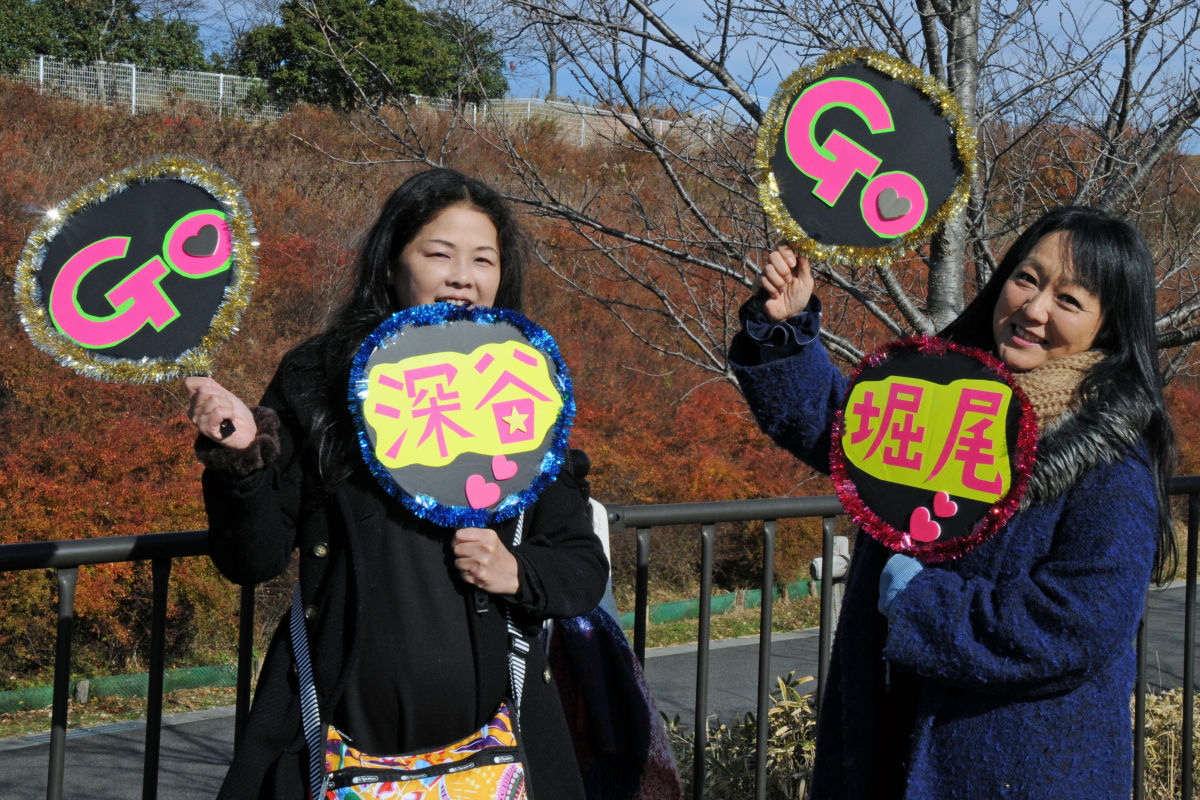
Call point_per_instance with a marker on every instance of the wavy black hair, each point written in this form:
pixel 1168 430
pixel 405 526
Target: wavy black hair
pixel 371 300
pixel 1110 259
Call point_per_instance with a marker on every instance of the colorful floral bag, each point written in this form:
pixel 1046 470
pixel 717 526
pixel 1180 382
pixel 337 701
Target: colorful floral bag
pixel 486 765
pixel 489 764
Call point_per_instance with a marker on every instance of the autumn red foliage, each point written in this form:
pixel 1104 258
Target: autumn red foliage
pixel 82 458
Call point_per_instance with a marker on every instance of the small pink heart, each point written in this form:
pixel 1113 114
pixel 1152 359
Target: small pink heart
pixel 943 506
pixel 502 468
pixel 481 492
pixel 921 527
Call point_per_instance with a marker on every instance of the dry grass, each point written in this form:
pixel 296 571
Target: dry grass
pixel 786 616
pixel 792 745
pixel 105 710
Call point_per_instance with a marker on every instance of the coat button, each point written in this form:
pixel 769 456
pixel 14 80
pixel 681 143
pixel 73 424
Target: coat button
pixel 546 676
pixel 310 613
pixel 320 549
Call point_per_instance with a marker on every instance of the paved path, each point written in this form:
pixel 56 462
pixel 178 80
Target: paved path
pixel 104 763
pixel 732 673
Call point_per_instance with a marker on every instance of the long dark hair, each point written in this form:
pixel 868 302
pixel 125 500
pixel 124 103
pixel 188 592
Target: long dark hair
pixel 410 207
pixel 1110 259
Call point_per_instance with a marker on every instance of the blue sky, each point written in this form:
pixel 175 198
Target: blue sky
pixel 530 79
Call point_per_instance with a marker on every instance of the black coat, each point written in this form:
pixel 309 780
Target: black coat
pixel 259 513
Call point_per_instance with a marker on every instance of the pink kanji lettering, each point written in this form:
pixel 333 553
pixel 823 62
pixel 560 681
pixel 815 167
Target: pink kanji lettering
pixel 971 446
pixel 514 420
pixel 865 411
pixel 441 401
pixel 903 403
pixel 515 417
pixel 508 379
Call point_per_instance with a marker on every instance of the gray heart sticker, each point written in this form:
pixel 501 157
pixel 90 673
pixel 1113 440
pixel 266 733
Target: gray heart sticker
pixel 891 205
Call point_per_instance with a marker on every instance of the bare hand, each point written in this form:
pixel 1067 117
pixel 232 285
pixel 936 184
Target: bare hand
pixel 788 281
pixel 211 404
pixel 483 561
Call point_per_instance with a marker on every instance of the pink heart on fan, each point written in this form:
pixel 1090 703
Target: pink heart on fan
pixel 943 506
pixel 921 527
pixel 502 468
pixel 481 492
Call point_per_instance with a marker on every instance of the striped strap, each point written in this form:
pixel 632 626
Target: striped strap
pixel 518 651
pixel 518 647
pixel 309 711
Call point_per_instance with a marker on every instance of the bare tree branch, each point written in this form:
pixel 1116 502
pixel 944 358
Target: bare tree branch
pixel 660 221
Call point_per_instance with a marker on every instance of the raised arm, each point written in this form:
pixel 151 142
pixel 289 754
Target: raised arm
pixel 787 280
pixel 211 405
pixel 791 386
pixel 252 479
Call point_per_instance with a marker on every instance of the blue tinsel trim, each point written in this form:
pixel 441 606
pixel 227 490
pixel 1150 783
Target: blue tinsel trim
pixel 424 506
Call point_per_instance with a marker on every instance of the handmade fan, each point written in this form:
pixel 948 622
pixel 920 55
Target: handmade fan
pixel 862 156
pixel 139 276
pixel 463 413
pixel 934 447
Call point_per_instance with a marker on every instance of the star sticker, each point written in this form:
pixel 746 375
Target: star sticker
pixel 515 420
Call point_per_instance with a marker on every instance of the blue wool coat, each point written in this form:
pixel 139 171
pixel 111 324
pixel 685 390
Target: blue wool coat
pixel 1005 673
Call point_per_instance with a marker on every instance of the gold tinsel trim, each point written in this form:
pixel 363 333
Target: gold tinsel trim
pixel 768 136
pixel 197 360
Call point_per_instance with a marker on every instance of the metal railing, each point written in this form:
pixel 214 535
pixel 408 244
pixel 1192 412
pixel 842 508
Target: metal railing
pixel 642 519
pixel 707 515
pixel 65 557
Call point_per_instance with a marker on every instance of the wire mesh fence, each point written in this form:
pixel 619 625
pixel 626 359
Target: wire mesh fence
pixel 142 90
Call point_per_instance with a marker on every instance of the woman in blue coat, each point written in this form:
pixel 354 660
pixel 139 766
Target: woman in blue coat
pixel 1006 672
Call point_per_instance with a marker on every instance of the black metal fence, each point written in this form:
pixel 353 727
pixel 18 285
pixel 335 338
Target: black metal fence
pixel 66 557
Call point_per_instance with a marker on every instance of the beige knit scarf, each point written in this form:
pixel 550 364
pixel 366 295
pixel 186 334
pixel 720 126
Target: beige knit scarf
pixel 1052 387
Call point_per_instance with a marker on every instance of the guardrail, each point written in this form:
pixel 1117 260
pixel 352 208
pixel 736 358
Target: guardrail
pixel 642 519
pixel 65 557
pixel 707 515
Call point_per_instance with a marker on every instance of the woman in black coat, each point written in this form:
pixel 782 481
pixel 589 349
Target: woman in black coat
pixel 405 619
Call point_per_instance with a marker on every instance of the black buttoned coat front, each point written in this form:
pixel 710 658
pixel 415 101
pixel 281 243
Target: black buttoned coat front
pixel 258 516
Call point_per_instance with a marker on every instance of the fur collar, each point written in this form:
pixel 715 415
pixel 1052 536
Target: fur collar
pixel 1100 430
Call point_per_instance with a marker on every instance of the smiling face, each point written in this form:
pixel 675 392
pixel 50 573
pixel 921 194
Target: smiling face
pixel 454 258
pixel 1042 313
